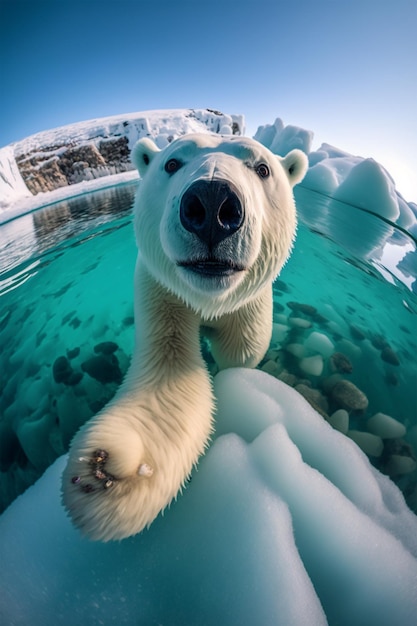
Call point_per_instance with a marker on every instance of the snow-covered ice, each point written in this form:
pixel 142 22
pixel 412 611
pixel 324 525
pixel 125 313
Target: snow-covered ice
pixel 284 522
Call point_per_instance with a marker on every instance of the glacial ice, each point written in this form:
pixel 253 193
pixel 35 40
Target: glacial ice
pixel 284 522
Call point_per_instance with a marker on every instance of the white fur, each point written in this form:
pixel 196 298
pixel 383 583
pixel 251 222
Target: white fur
pixel 160 421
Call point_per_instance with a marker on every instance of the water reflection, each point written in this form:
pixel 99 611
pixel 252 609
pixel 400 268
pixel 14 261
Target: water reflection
pixel 367 237
pixel 24 240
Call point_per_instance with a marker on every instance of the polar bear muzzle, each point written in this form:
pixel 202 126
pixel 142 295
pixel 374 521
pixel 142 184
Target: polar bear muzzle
pixel 212 210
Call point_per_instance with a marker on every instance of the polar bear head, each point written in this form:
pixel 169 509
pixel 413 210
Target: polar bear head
pixel 215 217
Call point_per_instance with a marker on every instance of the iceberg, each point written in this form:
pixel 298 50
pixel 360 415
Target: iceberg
pixel 284 521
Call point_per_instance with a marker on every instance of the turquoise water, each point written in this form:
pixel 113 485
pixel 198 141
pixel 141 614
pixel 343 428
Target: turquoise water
pixel 66 321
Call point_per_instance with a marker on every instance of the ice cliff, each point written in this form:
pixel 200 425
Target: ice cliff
pixel 80 152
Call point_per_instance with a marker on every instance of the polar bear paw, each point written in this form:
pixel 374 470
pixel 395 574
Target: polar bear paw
pixel 116 481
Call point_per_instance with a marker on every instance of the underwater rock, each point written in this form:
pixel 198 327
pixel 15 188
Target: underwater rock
pixel 314 397
pixel 75 323
pixel 341 363
pixel 72 354
pixel 357 333
pixel 398 465
pixel 105 370
pixel 388 355
pixel 287 378
pixel 379 342
pixel 274 355
pixel 318 342
pixel 106 347
pixel 399 447
pixel 279 333
pixel 299 322
pixel 271 367
pixel 320 319
pixel 281 285
pixel 63 372
pixel 372 445
pixel 296 349
pixel 61 369
pixel 307 309
pixel 347 396
pixel 328 383
pixel 312 365
pixel 339 420
pixel 74 379
pixel 385 426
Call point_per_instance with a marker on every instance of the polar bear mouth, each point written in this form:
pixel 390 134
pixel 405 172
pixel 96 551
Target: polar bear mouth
pixel 211 267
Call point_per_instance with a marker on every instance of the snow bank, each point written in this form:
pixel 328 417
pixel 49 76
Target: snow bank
pixel 284 522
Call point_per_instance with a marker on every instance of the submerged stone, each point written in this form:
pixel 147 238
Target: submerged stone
pixel 106 347
pixel 299 322
pixel 72 354
pixel 61 369
pixel 389 356
pixel 105 370
pixel 312 365
pixel 341 363
pixel 398 465
pixel 379 342
pixel 307 309
pixel 281 285
pixel 339 420
pixel 385 426
pixel 347 396
pixel 74 379
pixel 357 333
pixel 318 342
pixel 371 444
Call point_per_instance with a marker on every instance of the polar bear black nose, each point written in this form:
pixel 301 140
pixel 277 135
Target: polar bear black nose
pixel 212 210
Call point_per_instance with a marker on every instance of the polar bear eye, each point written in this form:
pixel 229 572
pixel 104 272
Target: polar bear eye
pixel 172 166
pixel 262 170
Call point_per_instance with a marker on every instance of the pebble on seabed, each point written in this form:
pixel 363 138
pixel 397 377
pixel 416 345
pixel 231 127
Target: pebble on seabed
pixel 398 465
pixel 339 420
pixel 385 426
pixel 372 445
pixel 347 396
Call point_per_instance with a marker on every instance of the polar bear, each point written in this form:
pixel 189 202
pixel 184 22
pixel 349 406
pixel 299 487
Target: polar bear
pixel 215 221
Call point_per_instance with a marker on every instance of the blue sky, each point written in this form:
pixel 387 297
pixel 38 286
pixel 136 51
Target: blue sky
pixel 346 70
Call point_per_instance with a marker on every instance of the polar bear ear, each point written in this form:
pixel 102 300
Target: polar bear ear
pixel 142 154
pixel 296 165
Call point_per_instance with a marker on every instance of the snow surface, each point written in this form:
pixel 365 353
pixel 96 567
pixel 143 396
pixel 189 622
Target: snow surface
pixel 284 522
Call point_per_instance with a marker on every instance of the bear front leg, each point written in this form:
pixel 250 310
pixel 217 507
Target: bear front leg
pixel 128 462
pixel 241 339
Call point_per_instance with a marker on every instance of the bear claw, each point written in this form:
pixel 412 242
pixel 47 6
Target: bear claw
pixel 98 459
pixel 145 470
